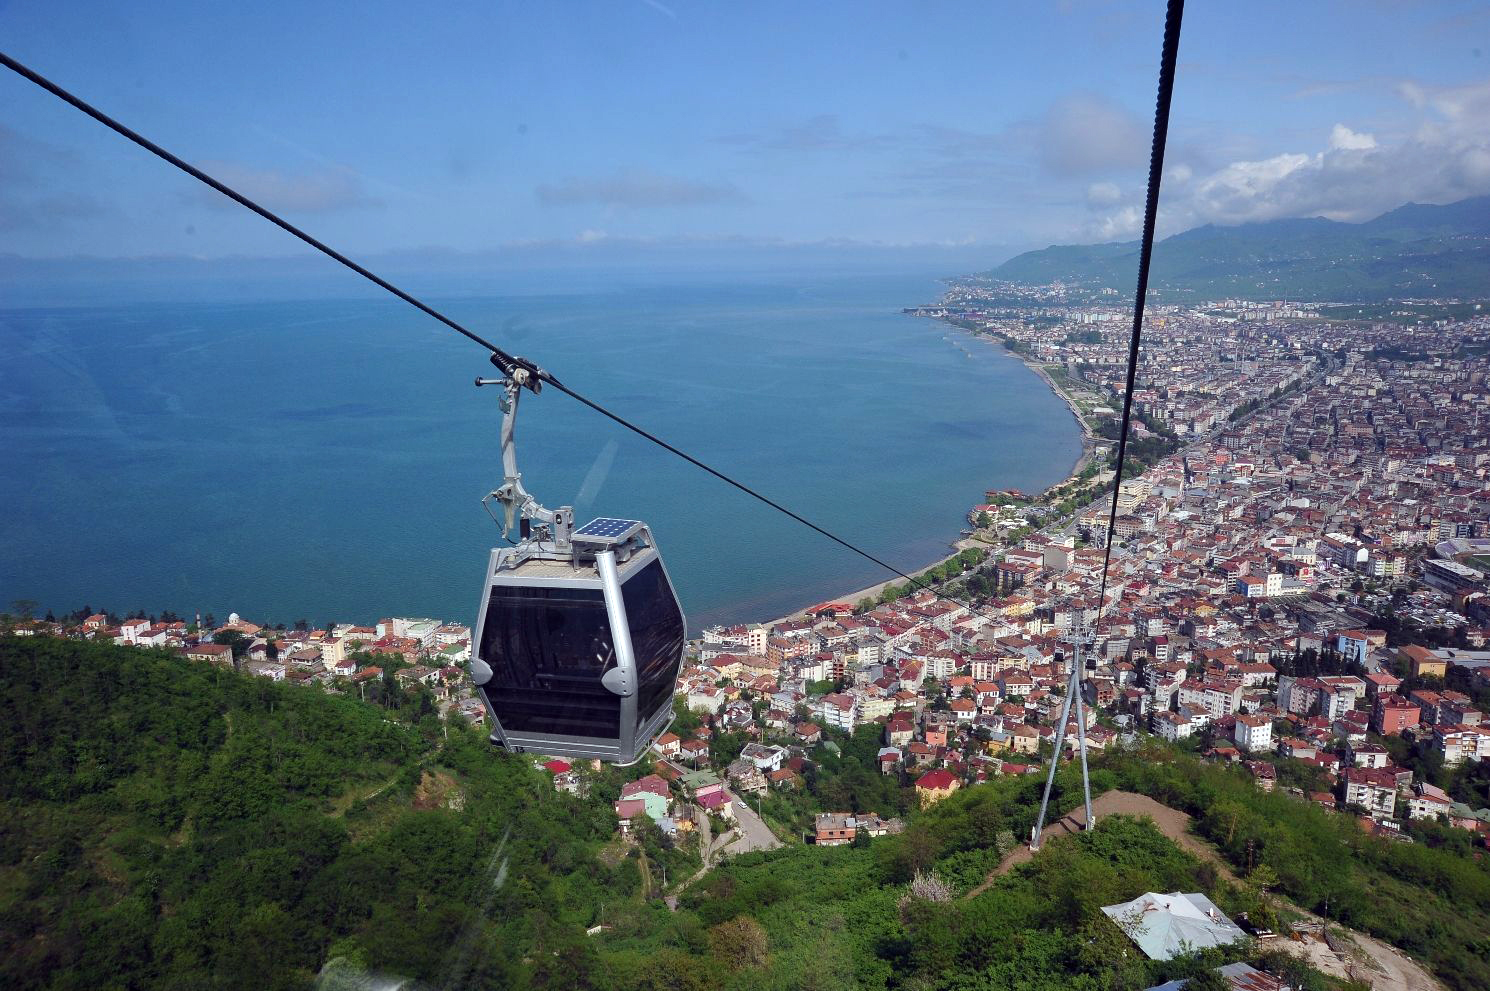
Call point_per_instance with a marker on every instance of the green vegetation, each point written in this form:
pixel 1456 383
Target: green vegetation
pixel 170 824
pixel 1415 250
pixel 955 566
pixel 1402 311
pixel 846 781
pixel 894 914
pixel 176 825
pixel 1142 451
pixel 1432 901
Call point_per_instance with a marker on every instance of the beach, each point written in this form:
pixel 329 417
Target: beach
pixel 1088 446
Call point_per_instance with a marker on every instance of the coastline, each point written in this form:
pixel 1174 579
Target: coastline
pixel 1088 447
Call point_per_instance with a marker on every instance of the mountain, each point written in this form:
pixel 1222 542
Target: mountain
pixel 1416 250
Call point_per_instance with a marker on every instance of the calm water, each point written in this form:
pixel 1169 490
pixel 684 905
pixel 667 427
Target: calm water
pixel 324 459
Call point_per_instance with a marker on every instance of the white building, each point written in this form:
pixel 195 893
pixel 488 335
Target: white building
pixel 705 698
pixel 1374 791
pixel 838 711
pixel 1253 732
pixel 1171 725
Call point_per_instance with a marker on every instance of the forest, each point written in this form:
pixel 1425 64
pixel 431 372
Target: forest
pixel 168 824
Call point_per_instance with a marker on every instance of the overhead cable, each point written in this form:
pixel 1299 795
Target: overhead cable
pixel 1167 60
pixel 527 372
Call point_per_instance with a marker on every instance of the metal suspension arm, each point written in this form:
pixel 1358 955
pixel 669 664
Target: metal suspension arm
pixel 518 504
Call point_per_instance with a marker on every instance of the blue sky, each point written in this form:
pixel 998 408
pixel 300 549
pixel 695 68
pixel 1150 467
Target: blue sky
pixel 479 126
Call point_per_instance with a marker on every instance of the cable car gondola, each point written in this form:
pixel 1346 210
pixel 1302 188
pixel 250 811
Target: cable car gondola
pixel 580 636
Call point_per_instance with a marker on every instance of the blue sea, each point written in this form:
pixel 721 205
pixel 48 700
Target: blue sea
pixel 324 459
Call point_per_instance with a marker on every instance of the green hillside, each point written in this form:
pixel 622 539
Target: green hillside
pixel 172 825
pixel 1416 250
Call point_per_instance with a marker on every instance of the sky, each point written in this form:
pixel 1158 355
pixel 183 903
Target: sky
pixel 633 124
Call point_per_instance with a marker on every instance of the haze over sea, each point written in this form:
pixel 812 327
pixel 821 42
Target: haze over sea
pixel 324 459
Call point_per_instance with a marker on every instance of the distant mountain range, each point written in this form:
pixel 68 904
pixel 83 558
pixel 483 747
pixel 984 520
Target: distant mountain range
pixel 1416 250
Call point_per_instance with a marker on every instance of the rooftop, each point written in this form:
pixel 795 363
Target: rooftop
pixel 1165 926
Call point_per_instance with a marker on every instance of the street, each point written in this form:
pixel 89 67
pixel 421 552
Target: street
pixel 754 833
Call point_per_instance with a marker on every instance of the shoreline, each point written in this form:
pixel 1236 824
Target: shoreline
pixel 1088 448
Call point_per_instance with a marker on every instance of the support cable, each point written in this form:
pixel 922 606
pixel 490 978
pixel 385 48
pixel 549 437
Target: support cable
pixel 1167 60
pixel 531 375
pixel 525 372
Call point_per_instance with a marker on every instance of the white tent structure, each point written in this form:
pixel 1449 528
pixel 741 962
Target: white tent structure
pixel 1165 926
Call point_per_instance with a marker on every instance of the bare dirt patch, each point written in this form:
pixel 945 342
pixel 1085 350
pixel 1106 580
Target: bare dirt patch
pixel 1354 955
pixel 1171 822
pixel 438 790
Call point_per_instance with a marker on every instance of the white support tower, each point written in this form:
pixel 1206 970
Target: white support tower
pixel 1073 701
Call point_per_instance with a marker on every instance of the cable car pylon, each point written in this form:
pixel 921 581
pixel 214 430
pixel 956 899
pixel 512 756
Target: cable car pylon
pixel 1075 682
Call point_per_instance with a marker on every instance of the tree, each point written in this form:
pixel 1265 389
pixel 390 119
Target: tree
pixel 1208 980
pixel 235 640
pixel 738 943
pixel 1263 878
pixel 25 608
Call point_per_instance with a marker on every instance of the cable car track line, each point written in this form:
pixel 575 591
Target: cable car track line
pixel 249 204
pixel 531 375
pixel 508 363
pixel 1167 59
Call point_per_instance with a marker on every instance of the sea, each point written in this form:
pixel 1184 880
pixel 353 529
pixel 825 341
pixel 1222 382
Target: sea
pixel 324 459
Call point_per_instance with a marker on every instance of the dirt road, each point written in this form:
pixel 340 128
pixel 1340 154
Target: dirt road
pixel 1359 957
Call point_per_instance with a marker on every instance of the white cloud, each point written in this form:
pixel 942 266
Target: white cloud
pixel 1086 133
pixel 322 191
pixel 1343 138
pixel 1120 225
pixel 1235 190
pixel 1444 156
pixel 1103 194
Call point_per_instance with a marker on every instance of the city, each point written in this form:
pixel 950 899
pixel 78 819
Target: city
pixel 985 515
pixel 1294 579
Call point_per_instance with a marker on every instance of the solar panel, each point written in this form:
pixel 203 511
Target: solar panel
pixel 606 530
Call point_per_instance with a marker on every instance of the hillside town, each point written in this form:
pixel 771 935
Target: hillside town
pixel 1297 584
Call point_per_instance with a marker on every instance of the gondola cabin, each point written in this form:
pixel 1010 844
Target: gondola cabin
pixel 578 647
